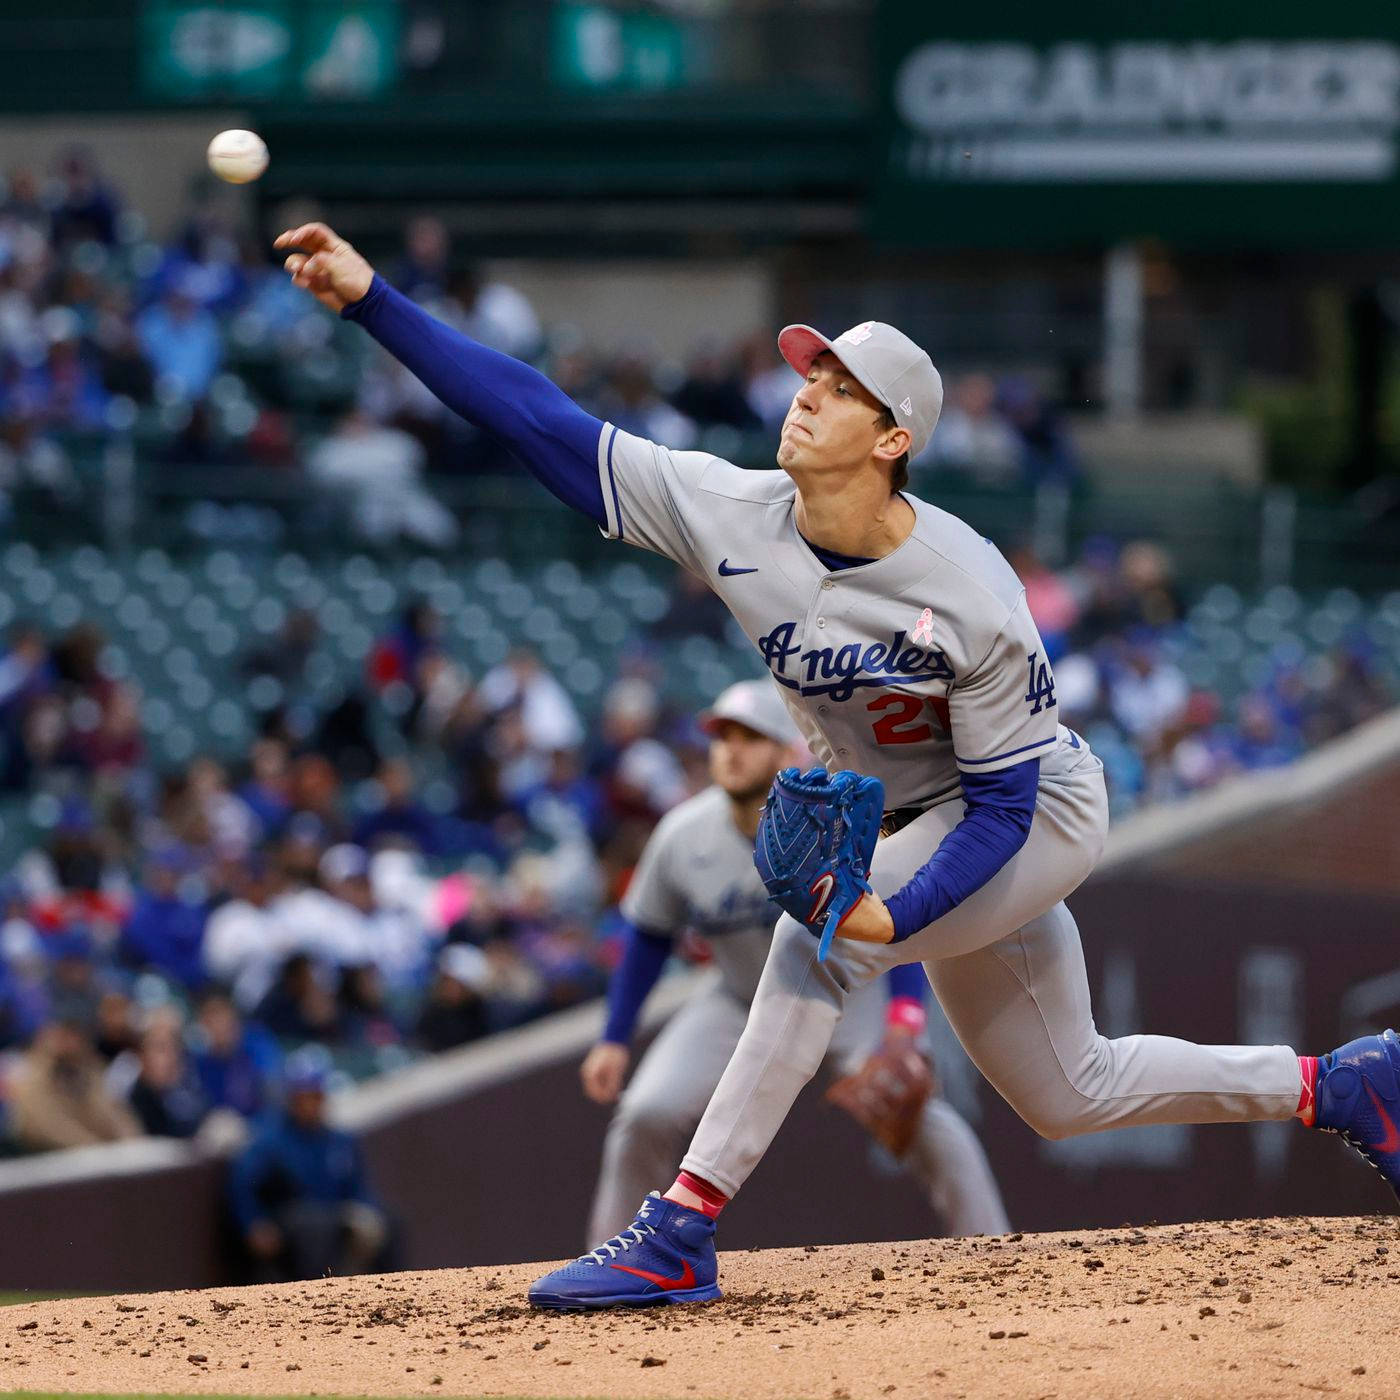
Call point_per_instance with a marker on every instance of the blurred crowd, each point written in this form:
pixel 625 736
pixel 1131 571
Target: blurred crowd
pixel 199 346
pixel 1134 673
pixel 426 861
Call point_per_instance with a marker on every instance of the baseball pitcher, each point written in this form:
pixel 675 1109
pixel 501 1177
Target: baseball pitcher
pixel 906 654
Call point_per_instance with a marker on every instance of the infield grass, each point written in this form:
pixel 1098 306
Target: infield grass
pixel 30 1295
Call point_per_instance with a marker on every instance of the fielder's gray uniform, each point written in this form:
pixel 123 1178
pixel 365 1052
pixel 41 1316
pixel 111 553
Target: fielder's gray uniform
pixel 888 668
pixel 697 872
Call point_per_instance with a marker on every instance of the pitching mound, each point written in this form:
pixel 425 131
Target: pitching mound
pixel 1246 1308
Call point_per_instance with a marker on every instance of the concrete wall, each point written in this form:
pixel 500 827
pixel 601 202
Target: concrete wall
pixel 662 308
pixel 151 160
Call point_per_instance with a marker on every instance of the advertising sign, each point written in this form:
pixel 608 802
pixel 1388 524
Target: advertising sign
pixel 268 49
pixel 1094 122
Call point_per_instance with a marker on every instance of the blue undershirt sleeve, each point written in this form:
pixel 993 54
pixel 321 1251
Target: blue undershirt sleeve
pixel 1000 807
pixel 643 958
pixel 516 404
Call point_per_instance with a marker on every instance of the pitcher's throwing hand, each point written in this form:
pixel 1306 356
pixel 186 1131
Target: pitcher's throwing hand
pixel 326 265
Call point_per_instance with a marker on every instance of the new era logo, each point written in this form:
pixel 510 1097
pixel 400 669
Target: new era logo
pixel 906 405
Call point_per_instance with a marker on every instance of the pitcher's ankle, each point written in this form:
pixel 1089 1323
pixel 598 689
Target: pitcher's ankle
pixel 698 1194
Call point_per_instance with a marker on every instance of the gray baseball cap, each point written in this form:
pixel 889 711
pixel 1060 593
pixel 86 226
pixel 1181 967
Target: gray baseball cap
pixel 887 362
pixel 757 706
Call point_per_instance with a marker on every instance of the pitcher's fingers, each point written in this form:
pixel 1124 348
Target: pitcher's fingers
pixel 291 237
pixel 295 263
pixel 315 237
pixel 294 237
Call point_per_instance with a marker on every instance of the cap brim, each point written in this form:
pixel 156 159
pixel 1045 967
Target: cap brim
pixel 800 345
pixel 710 723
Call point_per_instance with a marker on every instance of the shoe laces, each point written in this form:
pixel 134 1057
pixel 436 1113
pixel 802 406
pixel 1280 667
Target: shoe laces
pixel 1364 1150
pixel 636 1233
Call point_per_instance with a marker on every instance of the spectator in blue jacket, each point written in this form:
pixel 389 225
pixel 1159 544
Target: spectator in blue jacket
pixel 24 997
pixel 73 988
pixel 165 929
pixel 181 340
pixel 298 1190
pixel 398 814
pixel 236 1063
pixel 64 389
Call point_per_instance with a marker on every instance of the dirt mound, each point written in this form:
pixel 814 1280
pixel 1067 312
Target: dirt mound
pixel 1242 1308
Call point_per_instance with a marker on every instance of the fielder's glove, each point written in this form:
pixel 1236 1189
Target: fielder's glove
pixel 815 840
pixel 886 1095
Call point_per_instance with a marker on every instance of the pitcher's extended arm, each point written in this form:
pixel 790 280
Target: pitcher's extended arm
pixel 516 404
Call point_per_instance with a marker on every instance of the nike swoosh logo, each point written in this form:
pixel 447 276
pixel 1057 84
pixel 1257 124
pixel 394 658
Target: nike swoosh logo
pixel 822 887
pixel 1391 1141
pixel 726 570
pixel 686 1280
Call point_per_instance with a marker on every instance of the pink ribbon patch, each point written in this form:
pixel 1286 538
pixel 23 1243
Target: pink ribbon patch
pixel 923 628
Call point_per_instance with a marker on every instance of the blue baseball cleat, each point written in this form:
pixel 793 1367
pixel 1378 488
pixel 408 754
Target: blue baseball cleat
pixel 1358 1098
pixel 667 1255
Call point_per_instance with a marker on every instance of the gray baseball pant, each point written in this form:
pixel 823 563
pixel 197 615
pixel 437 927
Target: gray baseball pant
pixel 679 1072
pixel 1008 969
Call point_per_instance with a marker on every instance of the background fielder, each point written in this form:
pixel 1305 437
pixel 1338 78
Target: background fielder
pixel 697 872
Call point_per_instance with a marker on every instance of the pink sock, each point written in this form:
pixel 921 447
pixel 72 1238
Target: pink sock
pixel 1307 1100
pixel 698 1194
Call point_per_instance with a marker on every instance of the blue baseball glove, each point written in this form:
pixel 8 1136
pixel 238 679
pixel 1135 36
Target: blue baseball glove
pixel 815 840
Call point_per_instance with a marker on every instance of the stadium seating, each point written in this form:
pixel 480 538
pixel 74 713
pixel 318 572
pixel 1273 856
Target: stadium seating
pixel 180 628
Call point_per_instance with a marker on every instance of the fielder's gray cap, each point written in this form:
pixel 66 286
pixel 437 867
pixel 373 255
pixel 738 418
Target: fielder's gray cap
pixel 887 362
pixel 757 706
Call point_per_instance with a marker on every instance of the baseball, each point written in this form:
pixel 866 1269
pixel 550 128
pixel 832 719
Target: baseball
pixel 237 156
